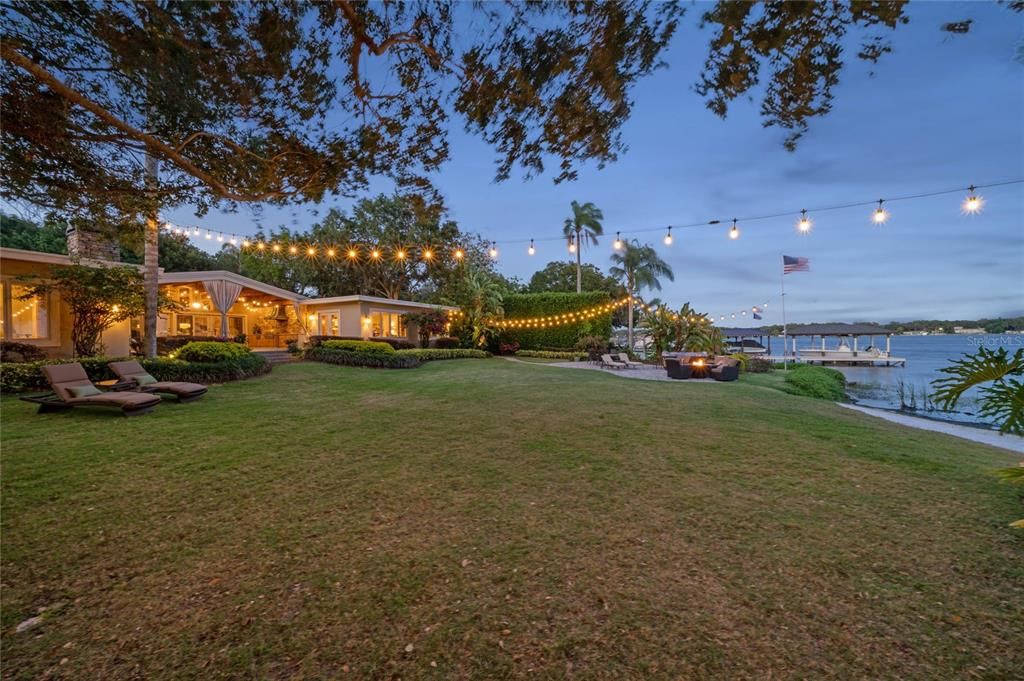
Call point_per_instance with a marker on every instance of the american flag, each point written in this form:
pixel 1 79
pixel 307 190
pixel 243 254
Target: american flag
pixel 791 264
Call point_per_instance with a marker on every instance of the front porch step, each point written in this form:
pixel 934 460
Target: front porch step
pixel 277 356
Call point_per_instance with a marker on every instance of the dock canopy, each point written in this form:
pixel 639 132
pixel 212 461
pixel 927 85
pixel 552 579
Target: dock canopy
pixel 744 333
pixel 837 330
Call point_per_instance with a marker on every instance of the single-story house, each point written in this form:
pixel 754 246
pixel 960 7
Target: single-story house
pixel 209 304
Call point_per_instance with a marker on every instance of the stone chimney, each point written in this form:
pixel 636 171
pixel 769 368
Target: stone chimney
pixel 92 245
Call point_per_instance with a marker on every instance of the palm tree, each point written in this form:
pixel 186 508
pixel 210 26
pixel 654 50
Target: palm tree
pixel 480 298
pixel 998 375
pixel 583 226
pixel 638 267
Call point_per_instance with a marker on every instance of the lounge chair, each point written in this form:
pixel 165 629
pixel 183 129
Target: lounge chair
pixel 608 362
pixel 624 358
pixel 72 388
pixel 133 374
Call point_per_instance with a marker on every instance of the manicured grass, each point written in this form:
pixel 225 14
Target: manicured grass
pixel 498 520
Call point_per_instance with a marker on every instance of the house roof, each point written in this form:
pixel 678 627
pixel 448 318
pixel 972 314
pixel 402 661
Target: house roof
pixel 736 332
pixel 57 258
pixel 375 299
pixel 224 275
pixel 837 330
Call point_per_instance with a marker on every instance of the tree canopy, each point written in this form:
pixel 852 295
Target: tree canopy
pixel 560 276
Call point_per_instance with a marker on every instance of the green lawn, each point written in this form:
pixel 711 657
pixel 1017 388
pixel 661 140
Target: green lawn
pixel 489 519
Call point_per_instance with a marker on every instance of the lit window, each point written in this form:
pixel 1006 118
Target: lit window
pixel 388 324
pixel 23 319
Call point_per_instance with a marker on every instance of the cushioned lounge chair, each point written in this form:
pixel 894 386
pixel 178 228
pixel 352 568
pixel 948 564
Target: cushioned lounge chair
pixel 677 370
pixel 725 369
pixel 607 361
pixel 72 388
pixel 133 374
pixel 624 358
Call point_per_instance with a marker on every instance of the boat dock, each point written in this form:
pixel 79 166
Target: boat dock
pixel 849 352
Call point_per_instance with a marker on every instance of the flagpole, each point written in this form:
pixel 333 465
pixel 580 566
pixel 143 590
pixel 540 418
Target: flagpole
pixel 785 344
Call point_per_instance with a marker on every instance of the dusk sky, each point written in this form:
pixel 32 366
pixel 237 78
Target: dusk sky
pixel 940 112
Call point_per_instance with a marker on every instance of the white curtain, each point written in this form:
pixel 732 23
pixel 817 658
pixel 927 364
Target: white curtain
pixel 223 294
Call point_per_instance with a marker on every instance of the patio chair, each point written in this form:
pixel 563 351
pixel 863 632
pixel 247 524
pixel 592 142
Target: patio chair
pixel 624 358
pixel 72 388
pixel 677 369
pixel 133 373
pixel 609 363
pixel 725 369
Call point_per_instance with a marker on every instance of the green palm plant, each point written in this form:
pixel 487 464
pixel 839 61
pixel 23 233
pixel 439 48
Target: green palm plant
pixel 1002 399
pixel 481 300
pixel 638 267
pixel 583 227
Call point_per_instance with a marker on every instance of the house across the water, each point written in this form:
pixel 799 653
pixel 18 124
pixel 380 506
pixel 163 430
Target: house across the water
pixel 209 304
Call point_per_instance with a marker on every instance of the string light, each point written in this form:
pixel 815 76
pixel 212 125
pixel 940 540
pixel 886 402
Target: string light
pixel 617 244
pixel 400 254
pixel 208 235
pixel 261 246
pixel 220 238
pixel 734 233
pixel 804 224
pixel 375 254
pixel 973 204
pixel 572 243
pixel 352 254
pixel 459 254
pixel 573 317
pixel 880 215
pixel 293 250
pixel 531 250
pixel 494 251
pixel 276 248
pixel 311 251
pixel 428 254
pixel 330 252
pixel 668 237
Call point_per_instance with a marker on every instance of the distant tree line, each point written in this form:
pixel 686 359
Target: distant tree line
pixel 997 325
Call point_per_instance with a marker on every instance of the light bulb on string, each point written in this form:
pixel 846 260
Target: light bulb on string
pixel 195 231
pixel 293 249
pixel 352 254
pixel 572 243
pixel 734 233
pixel 400 254
pixel 973 204
pixel 428 254
pixel 459 254
pixel 531 250
pixel 233 241
pixel 331 252
pixel 311 251
pixel 208 235
pixel 880 215
pixel 375 254
pixel 668 237
pixel 245 243
pixel 261 246
pixel 804 224
pixel 617 244
pixel 494 251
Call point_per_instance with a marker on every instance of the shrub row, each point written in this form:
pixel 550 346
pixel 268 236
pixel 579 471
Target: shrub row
pixel 431 354
pixel 759 365
pixel 29 377
pixel 393 360
pixel 396 343
pixel 820 382
pixel 165 345
pixel 548 354
pixel 211 351
pixel 12 351
pixel 445 342
pixel 369 347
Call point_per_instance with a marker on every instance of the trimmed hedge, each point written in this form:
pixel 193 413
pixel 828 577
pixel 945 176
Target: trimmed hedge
pixel 29 377
pixel 561 337
pixel 12 351
pixel 445 342
pixel 392 360
pixel 211 351
pixel 820 382
pixel 165 345
pixel 758 365
pixel 431 354
pixel 369 347
pixel 396 343
pixel 548 354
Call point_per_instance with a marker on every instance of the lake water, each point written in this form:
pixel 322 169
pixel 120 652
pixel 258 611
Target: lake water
pixel 925 355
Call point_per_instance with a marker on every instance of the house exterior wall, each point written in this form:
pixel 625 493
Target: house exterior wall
pixel 116 339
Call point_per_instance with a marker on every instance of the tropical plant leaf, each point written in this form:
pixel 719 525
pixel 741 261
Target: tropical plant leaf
pixel 1003 401
pixel 983 366
pixel 1013 475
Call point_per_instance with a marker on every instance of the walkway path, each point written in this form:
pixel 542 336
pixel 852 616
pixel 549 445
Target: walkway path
pixel 988 437
pixel 643 374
